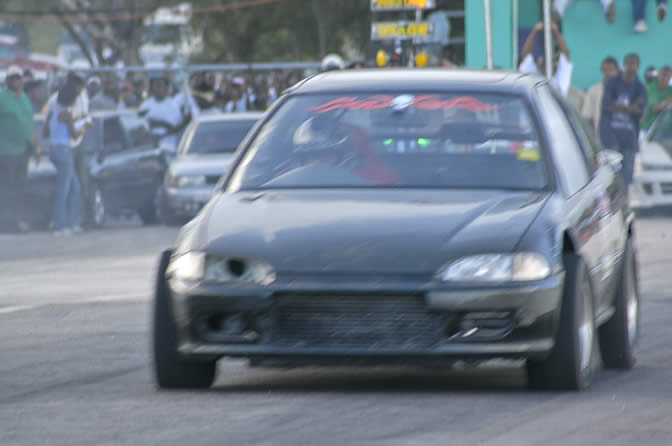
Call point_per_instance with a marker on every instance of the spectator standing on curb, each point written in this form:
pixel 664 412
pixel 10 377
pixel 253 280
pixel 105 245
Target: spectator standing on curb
pixel 17 144
pixel 623 105
pixel 163 113
pixel 107 99
pixel 650 76
pixel 659 95
pixel 62 130
pixel 592 106
pixel 563 68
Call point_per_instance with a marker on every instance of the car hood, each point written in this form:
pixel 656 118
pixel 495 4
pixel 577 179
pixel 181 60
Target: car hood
pixel 389 231
pixel 201 164
pixel 653 153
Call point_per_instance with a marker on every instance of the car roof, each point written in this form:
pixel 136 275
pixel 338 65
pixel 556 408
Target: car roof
pixel 408 79
pixel 214 117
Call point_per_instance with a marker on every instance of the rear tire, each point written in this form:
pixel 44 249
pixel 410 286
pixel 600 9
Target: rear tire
pixel 571 364
pixel 172 371
pixel 619 335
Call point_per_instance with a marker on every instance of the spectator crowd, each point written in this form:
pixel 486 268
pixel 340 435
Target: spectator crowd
pixel 168 104
pixel 619 109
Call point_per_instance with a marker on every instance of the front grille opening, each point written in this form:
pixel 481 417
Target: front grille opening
pixel 236 267
pixel 395 322
pixel 226 327
pixel 648 188
pixel 486 325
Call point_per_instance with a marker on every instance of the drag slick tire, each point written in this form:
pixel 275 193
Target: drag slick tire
pixel 619 335
pixel 571 364
pixel 171 370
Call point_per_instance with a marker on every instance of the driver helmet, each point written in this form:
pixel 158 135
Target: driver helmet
pixel 321 137
pixel 332 62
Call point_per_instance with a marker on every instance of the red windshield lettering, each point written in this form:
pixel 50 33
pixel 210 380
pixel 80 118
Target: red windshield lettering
pixel 375 103
pixel 336 104
pixel 427 103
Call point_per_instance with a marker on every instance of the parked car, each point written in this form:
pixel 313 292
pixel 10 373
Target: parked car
pixel 653 178
pixel 363 221
pixel 205 153
pixel 120 167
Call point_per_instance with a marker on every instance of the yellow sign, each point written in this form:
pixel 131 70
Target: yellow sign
pixel 528 154
pixel 421 59
pixel 401 30
pixel 381 58
pixel 401 5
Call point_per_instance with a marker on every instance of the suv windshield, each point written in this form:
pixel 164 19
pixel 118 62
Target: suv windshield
pixel 424 141
pixel 218 136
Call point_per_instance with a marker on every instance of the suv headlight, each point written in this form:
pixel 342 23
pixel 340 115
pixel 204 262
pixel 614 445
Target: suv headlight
pixel 188 181
pixel 195 266
pixel 520 267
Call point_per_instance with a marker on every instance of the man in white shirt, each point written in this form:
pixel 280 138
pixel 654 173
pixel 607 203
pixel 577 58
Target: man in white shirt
pixel 164 114
pixel 563 68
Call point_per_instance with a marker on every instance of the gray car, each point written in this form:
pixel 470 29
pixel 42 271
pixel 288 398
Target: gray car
pixel 362 222
pixel 205 153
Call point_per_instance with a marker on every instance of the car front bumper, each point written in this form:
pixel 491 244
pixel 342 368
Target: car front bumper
pixel 187 202
pixel 362 322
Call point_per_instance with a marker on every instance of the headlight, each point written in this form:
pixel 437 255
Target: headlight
pixel 497 268
pixel 188 181
pixel 195 266
pixel 189 266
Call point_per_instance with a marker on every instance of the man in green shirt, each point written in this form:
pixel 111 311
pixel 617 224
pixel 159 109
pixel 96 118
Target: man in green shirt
pixel 660 96
pixel 17 144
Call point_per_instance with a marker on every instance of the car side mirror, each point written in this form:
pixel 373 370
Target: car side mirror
pixel 612 158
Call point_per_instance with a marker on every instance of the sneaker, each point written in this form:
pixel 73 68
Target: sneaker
pixel 641 26
pixel 63 233
pixel 662 12
pixel 610 13
pixel 77 229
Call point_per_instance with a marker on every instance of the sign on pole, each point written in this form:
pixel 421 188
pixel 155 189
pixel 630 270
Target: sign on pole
pixel 402 30
pixel 401 5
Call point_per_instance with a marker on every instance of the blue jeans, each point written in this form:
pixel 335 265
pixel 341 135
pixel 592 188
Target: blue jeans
pixel 627 144
pixel 639 8
pixel 67 200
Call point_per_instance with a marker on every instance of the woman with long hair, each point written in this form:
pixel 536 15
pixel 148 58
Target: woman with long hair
pixel 61 129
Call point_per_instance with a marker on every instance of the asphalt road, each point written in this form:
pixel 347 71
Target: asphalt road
pixel 74 370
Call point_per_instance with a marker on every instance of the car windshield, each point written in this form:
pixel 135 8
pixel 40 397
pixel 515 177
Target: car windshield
pixel 218 136
pixel 661 132
pixel 396 140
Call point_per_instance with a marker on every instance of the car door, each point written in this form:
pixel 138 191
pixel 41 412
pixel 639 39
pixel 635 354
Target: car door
pixel 149 165
pixel 118 169
pixel 613 205
pixel 584 186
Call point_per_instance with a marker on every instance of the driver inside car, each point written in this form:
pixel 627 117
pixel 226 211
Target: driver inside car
pixel 324 139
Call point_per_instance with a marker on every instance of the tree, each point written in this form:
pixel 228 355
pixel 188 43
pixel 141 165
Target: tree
pixel 286 30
